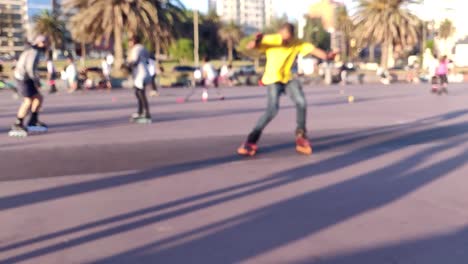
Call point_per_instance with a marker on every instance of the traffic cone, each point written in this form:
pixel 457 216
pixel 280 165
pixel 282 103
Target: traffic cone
pixel 205 96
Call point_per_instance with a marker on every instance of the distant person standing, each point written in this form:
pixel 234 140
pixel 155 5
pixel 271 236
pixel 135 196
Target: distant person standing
pixel 432 64
pixel 110 59
pixel 210 78
pixel 106 73
pixel 226 75
pixel 29 83
pixel 51 74
pixel 71 73
pixel 152 72
pixel 137 63
pixel 442 74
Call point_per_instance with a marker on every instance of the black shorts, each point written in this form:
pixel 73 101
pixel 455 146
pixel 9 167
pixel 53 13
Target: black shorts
pixel 27 88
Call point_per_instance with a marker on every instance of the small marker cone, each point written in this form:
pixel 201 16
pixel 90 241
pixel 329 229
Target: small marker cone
pixel 350 99
pixel 205 96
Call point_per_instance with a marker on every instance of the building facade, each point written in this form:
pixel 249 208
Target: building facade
pixel 211 5
pixel 252 15
pixel 13 21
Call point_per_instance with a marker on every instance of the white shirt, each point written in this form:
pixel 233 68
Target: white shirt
pixel 110 59
pixel 139 56
pixel 224 71
pixel 71 72
pixel 197 74
pixel 105 68
pixel 209 71
pixel 152 67
pixel 50 67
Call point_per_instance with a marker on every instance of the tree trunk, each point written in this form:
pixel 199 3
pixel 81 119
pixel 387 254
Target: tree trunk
pixel 230 45
pixel 372 53
pixel 385 52
pixel 118 48
pixel 83 54
pixel 157 49
pixel 196 41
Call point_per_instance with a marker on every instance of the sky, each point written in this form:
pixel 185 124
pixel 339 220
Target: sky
pixel 293 8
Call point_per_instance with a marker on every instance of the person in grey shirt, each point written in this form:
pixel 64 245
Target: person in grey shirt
pixel 28 84
pixel 137 63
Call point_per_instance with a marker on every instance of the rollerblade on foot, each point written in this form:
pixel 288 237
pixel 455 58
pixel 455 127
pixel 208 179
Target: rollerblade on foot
pixel 36 126
pixel 303 144
pixel 140 119
pixel 247 149
pixel 18 130
pixel 154 93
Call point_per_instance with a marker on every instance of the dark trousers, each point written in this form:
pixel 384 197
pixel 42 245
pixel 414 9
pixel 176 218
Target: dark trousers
pixel 143 106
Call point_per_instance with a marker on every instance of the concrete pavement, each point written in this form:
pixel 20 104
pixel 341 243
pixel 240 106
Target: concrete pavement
pixel 386 184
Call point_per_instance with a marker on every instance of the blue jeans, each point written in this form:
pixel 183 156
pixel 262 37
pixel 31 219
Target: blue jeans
pixel 294 90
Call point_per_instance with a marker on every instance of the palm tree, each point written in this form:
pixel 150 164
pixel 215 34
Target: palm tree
pixel 171 15
pixel 231 35
pixel 346 26
pixel 51 26
pixel 386 22
pixel 446 29
pixel 103 20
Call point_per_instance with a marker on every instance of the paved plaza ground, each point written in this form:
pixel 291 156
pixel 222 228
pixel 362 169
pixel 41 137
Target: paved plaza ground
pixel 387 182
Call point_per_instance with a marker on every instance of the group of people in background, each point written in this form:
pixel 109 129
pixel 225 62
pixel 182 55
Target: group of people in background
pixel 281 51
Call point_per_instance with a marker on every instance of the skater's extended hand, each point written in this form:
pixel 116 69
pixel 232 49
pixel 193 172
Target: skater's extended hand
pixel 331 55
pixel 256 42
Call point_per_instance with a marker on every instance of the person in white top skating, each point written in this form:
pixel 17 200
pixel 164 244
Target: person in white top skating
pixel 106 72
pixel 71 74
pixel 137 63
pixel 152 72
pixel 210 77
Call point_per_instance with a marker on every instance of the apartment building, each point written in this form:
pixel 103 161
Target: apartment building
pixel 13 18
pixel 252 15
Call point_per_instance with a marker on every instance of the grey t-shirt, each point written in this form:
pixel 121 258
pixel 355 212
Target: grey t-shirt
pixel 26 67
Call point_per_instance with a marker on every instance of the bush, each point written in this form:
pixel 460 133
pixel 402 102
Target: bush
pixel 182 50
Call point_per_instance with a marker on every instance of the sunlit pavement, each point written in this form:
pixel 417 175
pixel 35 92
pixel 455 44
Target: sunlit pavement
pixel 387 182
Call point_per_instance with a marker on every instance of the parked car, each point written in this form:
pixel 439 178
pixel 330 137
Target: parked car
pixel 183 76
pixel 246 70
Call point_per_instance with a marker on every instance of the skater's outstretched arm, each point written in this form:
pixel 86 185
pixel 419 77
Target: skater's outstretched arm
pixel 254 44
pixel 321 54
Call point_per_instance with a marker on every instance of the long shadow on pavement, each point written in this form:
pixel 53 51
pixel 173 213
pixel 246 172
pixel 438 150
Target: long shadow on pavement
pixel 259 231
pixel 448 247
pixel 250 221
pixel 267 228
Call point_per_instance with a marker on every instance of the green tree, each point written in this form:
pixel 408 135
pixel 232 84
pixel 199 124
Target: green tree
pixel 231 35
pixel 102 20
pixel 388 23
pixel 315 33
pixel 276 23
pixel 51 26
pixel 182 49
pixel 253 54
pixel 446 29
pixel 345 26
